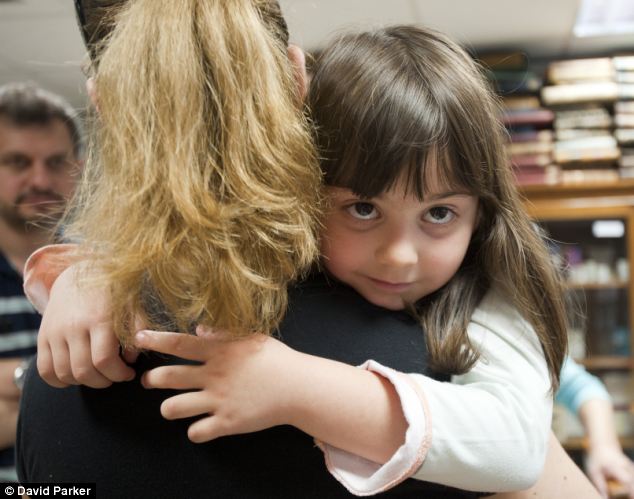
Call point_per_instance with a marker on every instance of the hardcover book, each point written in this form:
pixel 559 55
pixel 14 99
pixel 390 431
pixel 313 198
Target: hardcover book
pixel 581 69
pixel 601 91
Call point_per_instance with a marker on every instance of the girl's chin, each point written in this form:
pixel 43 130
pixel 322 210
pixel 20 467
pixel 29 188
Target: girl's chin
pixel 387 302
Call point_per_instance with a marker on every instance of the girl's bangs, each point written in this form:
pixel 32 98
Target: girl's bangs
pixel 419 170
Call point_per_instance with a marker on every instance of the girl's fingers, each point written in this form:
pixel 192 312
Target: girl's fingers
pixel 207 332
pixel 187 405
pixel 204 430
pixel 105 355
pixel 185 346
pixel 173 378
pixel 81 364
pixel 129 355
pixel 204 331
pixel 62 363
pixel 46 367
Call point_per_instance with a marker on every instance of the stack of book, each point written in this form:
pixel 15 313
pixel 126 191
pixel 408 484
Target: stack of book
pixel 509 73
pixel 581 94
pixel 576 81
pixel 624 115
pixel 531 140
pixel 529 124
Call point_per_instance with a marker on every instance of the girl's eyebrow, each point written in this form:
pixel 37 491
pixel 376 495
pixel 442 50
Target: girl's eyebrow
pixel 443 195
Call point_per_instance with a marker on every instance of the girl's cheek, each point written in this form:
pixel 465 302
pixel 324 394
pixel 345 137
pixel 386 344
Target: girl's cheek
pixel 448 256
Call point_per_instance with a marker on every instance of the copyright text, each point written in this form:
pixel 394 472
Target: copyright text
pixel 50 490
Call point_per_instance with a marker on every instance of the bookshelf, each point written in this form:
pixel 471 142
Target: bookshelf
pixel 571 147
pixel 597 286
pixel 607 363
pixel 621 187
pixel 558 192
pixel 579 443
pixel 601 289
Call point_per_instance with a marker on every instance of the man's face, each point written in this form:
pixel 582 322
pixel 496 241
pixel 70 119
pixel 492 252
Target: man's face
pixel 38 172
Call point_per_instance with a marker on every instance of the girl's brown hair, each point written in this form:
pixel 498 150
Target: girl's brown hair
pixel 403 102
pixel 201 190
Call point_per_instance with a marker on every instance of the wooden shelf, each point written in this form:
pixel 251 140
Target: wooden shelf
pixel 579 443
pixel 598 285
pixel 606 362
pixel 582 189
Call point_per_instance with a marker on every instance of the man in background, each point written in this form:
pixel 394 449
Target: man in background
pixel 40 149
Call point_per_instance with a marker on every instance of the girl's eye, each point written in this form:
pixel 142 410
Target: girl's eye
pixel 439 215
pixel 362 211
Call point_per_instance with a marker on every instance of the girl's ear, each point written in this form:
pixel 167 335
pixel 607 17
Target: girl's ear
pixel 91 90
pixel 298 60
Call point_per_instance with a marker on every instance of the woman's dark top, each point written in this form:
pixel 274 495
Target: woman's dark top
pixel 116 437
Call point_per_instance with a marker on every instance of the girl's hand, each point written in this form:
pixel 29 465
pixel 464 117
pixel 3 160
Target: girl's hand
pixel 76 344
pixel 242 385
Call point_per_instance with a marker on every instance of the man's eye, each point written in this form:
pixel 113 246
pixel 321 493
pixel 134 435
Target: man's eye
pixel 363 211
pixel 439 215
pixel 16 163
pixel 57 163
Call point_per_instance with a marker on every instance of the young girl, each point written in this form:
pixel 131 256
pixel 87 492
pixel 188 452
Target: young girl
pixel 483 238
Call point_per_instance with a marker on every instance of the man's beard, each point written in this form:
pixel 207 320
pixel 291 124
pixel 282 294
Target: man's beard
pixel 43 220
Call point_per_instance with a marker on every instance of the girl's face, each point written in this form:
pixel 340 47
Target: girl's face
pixel 394 249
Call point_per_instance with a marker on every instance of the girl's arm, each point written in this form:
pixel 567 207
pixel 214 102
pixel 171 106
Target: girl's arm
pixel 257 382
pixel 75 343
pixel 491 425
pixel 486 431
pixel 560 478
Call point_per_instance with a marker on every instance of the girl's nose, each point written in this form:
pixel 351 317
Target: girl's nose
pixel 399 251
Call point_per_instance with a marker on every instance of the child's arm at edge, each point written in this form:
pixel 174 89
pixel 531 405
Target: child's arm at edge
pixel 75 344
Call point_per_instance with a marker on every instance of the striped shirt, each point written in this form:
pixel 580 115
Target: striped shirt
pixel 19 323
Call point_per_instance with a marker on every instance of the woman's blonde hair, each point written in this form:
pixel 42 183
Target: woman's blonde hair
pixel 201 189
pixel 408 102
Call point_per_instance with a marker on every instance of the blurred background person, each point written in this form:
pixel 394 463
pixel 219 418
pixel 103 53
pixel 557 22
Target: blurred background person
pixel 40 150
pixel 585 396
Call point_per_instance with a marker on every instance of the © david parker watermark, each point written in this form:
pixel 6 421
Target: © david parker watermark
pixel 50 490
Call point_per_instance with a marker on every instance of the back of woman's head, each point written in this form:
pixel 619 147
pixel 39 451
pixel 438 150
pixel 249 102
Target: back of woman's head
pixel 201 188
pixel 408 103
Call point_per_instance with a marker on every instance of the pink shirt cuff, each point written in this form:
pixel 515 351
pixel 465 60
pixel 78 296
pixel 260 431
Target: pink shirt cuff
pixel 363 477
pixel 42 269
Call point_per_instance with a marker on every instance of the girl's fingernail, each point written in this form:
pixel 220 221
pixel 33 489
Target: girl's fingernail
pixel 141 335
pixel 203 331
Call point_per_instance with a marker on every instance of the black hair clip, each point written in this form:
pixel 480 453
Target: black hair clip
pixel 81 20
